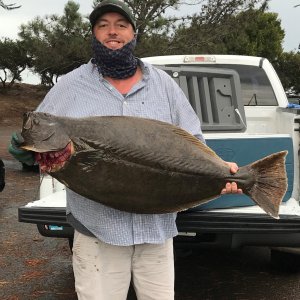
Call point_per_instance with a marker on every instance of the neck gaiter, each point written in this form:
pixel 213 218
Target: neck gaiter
pixel 119 63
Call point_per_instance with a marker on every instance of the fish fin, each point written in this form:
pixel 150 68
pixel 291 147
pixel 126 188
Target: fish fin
pixel 189 137
pixel 178 131
pixel 271 182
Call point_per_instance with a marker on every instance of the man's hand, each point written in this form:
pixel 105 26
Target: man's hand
pixel 24 156
pixel 231 187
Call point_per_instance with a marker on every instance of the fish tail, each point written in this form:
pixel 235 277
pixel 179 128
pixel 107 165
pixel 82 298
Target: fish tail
pixel 270 183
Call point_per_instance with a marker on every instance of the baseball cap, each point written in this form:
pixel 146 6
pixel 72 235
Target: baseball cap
pixel 112 6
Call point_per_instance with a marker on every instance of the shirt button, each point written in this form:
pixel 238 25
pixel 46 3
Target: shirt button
pixel 125 102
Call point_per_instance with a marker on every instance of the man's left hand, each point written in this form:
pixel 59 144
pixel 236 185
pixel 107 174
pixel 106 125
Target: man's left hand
pixel 231 187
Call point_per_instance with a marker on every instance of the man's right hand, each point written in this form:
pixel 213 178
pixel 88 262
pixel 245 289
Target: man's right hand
pixel 24 156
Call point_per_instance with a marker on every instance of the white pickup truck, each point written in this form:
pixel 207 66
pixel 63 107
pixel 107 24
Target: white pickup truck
pixel 245 116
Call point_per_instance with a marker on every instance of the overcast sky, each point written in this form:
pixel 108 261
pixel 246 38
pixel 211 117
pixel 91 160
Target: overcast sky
pixel 10 21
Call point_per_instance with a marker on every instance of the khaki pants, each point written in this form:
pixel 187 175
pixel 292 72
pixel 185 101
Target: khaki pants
pixel 103 271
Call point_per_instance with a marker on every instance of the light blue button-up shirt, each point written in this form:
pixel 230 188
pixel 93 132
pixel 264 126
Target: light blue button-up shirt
pixel 83 92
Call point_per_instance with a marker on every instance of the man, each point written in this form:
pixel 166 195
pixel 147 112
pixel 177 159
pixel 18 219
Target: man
pixel 111 247
pixel 2 175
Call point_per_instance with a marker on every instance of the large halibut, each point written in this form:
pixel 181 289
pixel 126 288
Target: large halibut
pixel 144 166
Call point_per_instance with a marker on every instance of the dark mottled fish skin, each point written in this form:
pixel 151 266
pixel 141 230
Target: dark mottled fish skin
pixel 146 166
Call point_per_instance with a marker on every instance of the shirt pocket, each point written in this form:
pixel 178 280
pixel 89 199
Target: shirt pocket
pixel 153 109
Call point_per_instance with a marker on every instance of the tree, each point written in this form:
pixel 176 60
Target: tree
pixel 255 33
pixel 14 59
pixel 8 6
pixel 57 44
pixel 204 31
pixel 288 69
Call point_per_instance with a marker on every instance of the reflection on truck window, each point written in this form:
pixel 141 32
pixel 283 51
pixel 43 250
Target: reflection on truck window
pixel 256 87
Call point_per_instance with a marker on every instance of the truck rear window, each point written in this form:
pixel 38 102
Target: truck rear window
pixel 255 85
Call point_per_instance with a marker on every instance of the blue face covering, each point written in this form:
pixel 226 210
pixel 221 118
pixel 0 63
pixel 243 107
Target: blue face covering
pixel 119 63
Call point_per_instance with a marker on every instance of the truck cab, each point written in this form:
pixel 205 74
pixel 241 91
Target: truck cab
pixel 245 115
